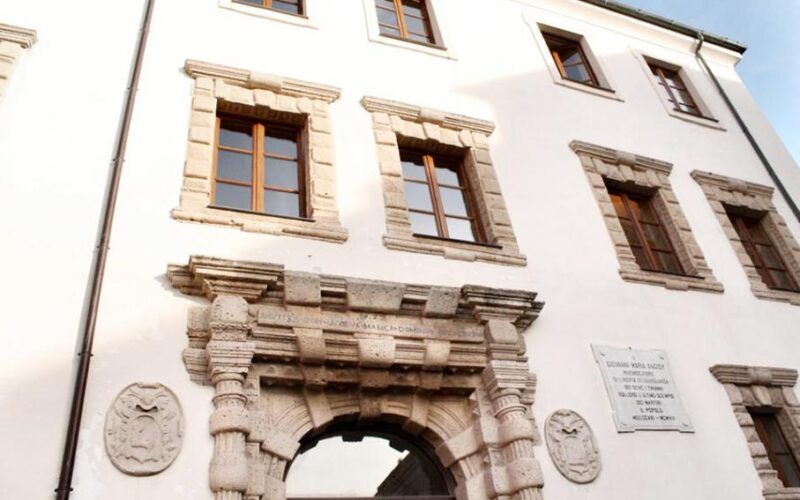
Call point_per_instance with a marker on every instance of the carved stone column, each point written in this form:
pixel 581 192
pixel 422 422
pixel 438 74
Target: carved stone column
pixel 512 472
pixel 515 474
pixel 229 358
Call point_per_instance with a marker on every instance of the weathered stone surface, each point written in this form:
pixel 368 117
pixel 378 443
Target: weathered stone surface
pixel 737 193
pixel 378 296
pixel 753 387
pixel 144 429
pixel 278 378
pixel 572 446
pixel 232 89
pixel 647 174
pixel 394 122
pixel 301 288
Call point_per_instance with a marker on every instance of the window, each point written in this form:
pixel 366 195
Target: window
pixel 440 190
pixel 570 59
pixel 407 19
pixel 258 168
pixel 760 237
pixel 437 197
pixel 260 154
pixel 650 234
pixel 289 6
pixel 778 451
pixel 674 90
pixel 762 252
pixel 765 406
pixel 646 235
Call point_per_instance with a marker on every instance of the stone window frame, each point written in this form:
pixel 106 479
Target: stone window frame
pixel 437 49
pixel 721 191
pixel 766 388
pixel 12 40
pixel 651 176
pixel 261 96
pixel 441 132
pixel 606 87
pixel 708 118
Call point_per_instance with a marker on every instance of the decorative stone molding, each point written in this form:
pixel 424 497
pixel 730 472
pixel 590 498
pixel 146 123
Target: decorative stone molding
pixel 435 130
pixel 764 387
pixel 258 95
pixel 298 351
pixel 144 429
pixel 650 176
pixel 572 446
pixel 12 40
pixel 722 191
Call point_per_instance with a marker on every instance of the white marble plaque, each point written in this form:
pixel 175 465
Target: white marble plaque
pixel 642 392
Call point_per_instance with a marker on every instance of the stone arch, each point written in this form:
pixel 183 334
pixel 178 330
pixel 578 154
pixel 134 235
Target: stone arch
pixel 288 353
pixel 291 418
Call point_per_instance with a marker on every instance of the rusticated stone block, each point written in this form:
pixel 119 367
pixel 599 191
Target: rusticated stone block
pixel 229 309
pixel 280 444
pixel 301 288
pixel 311 345
pixel 437 354
pixel 229 419
pixel 376 353
pixel 377 296
pixel 442 302
pixel 501 332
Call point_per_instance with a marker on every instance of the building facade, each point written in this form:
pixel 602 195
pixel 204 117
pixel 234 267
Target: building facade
pixel 527 243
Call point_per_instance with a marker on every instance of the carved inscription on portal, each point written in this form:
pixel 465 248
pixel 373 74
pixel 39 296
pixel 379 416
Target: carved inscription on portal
pixel 572 446
pixel 642 392
pixel 396 326
pixel 144 429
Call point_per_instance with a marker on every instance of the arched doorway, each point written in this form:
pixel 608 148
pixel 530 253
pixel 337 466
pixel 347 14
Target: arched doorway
pixel 351 461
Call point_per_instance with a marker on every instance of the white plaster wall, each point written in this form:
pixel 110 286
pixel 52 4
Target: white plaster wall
pixel 72 83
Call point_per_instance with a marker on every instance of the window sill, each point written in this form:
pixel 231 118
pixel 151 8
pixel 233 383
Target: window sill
pixel 266 13
pixel 672 281
pixel 261 223
pixel 425 48
pixel 783 494
pixel 455 249
pixel 589 89
pixel 705 121
pixel 778 296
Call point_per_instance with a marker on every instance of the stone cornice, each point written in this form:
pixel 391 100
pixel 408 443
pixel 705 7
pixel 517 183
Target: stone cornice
pixel 426 115
pixel 256 80
pixel 618 157
pixel 731 184
pixel 15 34
pixel 754 375
pixel 211 277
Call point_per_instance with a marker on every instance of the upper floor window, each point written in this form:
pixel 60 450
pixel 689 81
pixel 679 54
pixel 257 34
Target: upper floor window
pixel 406 19
pixel 289 6
pixel 646 235
pixel 439 202
pixel 258 167
pixel 673 88
pixel 570 59
pixel 759 246
pixel 779 452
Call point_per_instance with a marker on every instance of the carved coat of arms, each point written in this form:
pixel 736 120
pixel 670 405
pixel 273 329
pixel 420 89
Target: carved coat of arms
pixel 572 446
pixel 144 429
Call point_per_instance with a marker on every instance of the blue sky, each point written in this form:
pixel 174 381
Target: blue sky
pixel 771 65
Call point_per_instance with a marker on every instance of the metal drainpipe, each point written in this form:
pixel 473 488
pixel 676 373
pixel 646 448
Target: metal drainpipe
pixel 96 281
pixel 750 138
